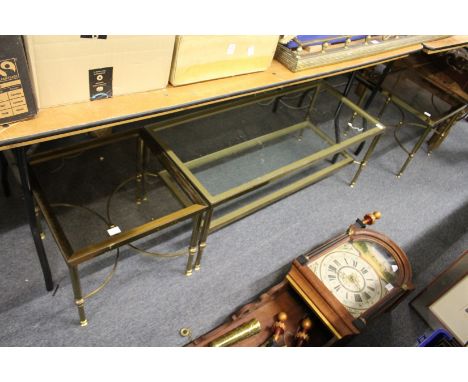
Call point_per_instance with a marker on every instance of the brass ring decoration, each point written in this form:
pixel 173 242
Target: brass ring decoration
pixel 114 267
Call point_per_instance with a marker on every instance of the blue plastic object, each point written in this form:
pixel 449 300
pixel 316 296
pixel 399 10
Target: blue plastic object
pixel 308 37
pixel 438 337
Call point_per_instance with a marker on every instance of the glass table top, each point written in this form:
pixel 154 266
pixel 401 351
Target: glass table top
pixel 402 85
pixel 234 148
pixel 94 188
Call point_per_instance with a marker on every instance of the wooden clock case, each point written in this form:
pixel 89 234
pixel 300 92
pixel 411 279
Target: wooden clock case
pixel 303 295
pixel 321 300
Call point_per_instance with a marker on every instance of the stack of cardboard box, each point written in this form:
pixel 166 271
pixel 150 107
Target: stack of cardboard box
pixel 59 70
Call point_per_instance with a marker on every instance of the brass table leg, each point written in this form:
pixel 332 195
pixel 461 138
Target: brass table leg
pixel 141 167
pixel 79 300
pixel 37 211
pixel 414 150
pixel 204 234
pixel 439 135
pixel 365 159
pixel 374 91
pixel 336 118
pixel 194 240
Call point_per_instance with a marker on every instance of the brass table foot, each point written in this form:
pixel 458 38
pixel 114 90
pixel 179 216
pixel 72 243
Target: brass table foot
pixel 84 323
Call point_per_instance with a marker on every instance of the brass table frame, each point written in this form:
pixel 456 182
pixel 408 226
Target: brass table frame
pixel 440 126
pixel 339 148
pixel 193 207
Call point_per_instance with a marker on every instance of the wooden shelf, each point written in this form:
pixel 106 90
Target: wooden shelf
pixel 61 121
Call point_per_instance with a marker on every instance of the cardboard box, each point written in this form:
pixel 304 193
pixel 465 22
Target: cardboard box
pixel 201 58
pixel 16 94
pixel 70 69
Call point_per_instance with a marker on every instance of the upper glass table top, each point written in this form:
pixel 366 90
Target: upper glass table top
pixel 87 202
pixel 239 146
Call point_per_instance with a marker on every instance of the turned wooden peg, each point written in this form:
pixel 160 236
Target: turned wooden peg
pixel 302 336
pixel 279 326
pixel 370 219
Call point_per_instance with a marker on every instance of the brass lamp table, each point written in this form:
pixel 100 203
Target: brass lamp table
pixel 122 199
pixel 240 164
pixel 425 96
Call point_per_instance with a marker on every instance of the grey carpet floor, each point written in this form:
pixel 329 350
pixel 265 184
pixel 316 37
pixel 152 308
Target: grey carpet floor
pixel 149 300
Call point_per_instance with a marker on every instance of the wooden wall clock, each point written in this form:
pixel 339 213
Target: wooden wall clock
pixel 352 277
pixel 329 294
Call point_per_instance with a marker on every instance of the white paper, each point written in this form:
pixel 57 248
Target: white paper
pixel 251 51
pixel 231 49
pixel 113 231
pixel 394 267
pixel 452 310
pixel 389 287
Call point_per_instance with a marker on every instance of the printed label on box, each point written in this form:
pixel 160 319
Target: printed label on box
pixel 12 100
pixel 94 36
pixel 100 83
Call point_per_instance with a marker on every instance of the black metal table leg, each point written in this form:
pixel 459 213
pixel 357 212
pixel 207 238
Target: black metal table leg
pixel 374 92
pixel 338 112
pixel 276 104
pixel 4 175
pixel 29 201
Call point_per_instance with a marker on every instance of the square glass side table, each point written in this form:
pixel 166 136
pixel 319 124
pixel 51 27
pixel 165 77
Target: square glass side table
pixel 99 195
pixel 426 97
pixel 241 159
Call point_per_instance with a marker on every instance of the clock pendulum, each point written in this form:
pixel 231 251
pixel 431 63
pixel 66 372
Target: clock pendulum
pixel 246 330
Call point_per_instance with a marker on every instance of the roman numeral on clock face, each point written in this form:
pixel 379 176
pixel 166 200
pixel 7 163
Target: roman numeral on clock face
pixel 331 268
pixel 354 263
pixel 331 277
pixel 357 297
pixel 364 271
pixel 337 288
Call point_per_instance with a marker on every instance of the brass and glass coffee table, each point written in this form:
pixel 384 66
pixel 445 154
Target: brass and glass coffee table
pixel 240 163
pixel 99 195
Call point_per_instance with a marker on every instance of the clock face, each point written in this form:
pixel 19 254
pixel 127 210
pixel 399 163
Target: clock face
pixel 359 274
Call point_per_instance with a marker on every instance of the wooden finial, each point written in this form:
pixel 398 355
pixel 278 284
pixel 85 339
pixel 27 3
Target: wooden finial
pixel 302 336
pixel 282 316
pixel 279 326
pixel 306 323
pixel 370 219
